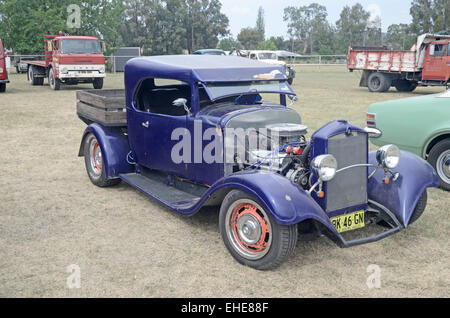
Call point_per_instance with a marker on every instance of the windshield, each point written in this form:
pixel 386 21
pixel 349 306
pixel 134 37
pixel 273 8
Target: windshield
pixel 267 56
pixel 220 90
pixel 80 47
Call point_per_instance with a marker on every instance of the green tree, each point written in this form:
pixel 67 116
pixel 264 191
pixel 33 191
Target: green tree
pixel 172 26
pixel 24 22
pixel 374 35
pixel 249 38
pixel 430 16
pixel 228 44
pixel 351 27
pixel 260 24
pixel 400 37
pixel 267 45
pixel 204 23
pixel 306 23
pixel 280 42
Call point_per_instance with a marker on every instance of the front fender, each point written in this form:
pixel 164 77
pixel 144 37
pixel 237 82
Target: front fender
pixel 114 146
pixel 401 196
pixel 285 201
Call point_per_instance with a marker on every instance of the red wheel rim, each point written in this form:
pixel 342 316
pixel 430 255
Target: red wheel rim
pixel 97 156
pixel 250 229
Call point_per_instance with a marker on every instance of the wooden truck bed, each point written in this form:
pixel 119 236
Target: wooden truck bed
pixel 106 107
pixel 379 59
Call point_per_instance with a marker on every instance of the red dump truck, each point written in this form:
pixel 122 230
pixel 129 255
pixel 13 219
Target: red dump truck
pixel 3 71
pixel 69 60
pixel 427 63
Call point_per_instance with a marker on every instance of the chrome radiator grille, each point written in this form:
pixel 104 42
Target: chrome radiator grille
pixel 349 187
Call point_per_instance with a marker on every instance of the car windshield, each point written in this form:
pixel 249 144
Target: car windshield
pixel 220 90
pixel 80 47
pixel 267 56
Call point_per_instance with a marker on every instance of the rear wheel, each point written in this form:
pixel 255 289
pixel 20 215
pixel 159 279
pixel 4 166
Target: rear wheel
pixel 439 158
pixel 32 79
pixel 98 83
pixel 54 83
pixel 2 88
pixel 405 85
pixel 251 235
pixel 379 82
pixel 93 160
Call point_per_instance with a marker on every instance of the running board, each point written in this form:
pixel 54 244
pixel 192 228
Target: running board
pixel 161 189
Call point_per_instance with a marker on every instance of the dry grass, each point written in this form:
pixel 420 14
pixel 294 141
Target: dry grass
pixel 51 216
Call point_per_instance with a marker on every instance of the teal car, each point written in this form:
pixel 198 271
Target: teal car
pixel 420 125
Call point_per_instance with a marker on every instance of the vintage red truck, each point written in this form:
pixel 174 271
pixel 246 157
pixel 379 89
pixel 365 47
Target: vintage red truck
pixel 3 71
pixel 427 63
pixel 69 60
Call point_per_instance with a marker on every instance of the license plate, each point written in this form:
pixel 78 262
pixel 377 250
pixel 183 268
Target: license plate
pixel 348 222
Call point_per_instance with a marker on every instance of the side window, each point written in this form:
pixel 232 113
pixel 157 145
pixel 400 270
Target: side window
pixel 156 95
pixel 56 45
pixel 253 56
pixel 437 50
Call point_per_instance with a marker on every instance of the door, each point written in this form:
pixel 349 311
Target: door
pixel 155 125
pixel 435 65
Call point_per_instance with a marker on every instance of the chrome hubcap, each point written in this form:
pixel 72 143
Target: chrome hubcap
pixel 443 166
pixel 249 229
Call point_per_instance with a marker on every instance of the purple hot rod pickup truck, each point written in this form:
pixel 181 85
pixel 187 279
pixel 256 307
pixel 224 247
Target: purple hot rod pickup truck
pixel 194 131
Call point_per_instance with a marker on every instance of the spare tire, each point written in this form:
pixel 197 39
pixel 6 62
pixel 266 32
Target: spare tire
pixel 379 82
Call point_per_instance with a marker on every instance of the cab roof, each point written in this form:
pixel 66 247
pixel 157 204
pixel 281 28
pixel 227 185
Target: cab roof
pixel 202 68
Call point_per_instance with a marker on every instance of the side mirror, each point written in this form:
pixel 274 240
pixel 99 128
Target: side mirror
pixel 293 99
pixel 182 102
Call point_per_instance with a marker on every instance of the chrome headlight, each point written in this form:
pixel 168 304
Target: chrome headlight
pixel 64 70
pixel 388 156
pixel 102 69
pixel 324 167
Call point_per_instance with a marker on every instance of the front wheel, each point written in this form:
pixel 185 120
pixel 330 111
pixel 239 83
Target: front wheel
pixel 405 85
pixel 93 159
pixel 420 207
pixel 54 82
pixel 98 83
pixel 439 158
pixel 251 235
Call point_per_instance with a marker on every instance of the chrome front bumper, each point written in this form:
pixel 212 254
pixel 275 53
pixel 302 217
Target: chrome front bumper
pixel 373 132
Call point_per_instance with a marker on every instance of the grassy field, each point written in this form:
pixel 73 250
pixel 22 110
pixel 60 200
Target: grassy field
pixel 127 245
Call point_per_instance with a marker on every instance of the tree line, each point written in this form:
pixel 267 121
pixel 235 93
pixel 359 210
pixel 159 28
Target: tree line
pixel 180 26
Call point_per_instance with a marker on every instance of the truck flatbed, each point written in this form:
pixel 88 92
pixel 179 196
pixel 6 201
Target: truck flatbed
pixel 37 63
